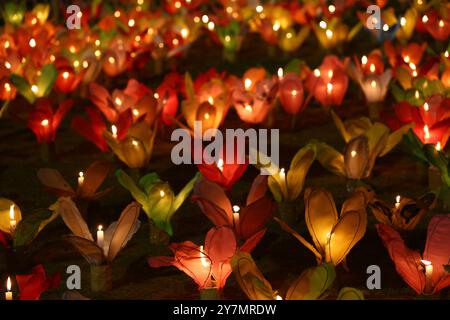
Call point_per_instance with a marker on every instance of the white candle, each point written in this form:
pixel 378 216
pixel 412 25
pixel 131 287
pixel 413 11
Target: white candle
pixel 114 131
pixel 12 220
pixel 236 216
pixel 397 202
pixel 428 276
pixel 100 236
pixel 8 293
pixel 280 73
pixel 80 179
pixel 279 297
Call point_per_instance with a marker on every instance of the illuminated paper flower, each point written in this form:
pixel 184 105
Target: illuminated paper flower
pixel 291 40
pixel 41 87
pixel 405 214
pixel 371 77
pixel 209 105
pixel 167 100
pixel 247 222
pixel 407 24
pixel 287 185
pixel 437 26
pixel 44 121
pixel 13 12
pixel 156 197
pixel 222 172
pixel 366 141
pixel 230 36
pixel 425 273
pixel 67 80
pixel 334 32
pixel 253 96
pixel 291 94
pixel 93 129
pixel 136 98
pixel 136 148
pixel 31 286
pixel 115 238
pixel 329 82
pixel 310 285
pixel 89 181
pixel 209 265
pixel 333 235
pixel 115 58
pixel 430 122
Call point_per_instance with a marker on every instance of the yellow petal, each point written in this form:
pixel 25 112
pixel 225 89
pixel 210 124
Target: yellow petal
pixel 5 205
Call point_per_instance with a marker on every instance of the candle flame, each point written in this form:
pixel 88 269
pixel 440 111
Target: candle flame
pixel 81 174
pixel 373 84
pixel 364 60
pixel 32 43
pixel 425 18
pixel 8 284
pixel 203 260
pixel 236 209
pixel 280 73
pixel 406 59
pixel 438 146
pixel 372 68
pixel 426 262
pixel 44 122
pixel 329 34
pixel 210 100
pixel 162 193
pixel 220 164
pixel 403 21
pixel 353 153
pixel 100 228
pixel 426 132
pixel 426 107
pixel 294 93
pixel 34 88
pixel 248 108
pixel 441 23
pixel 65 75
pixel 323 24
pixel 11 212
pixel 282 173
pixel 317 73
pixel 329 88
pixel 114 131
pixel 247 83
pixel 278 297
pixel 397 199
pixel 330 74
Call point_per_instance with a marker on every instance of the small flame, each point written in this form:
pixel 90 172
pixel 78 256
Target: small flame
pixel 316 73
pixel 203 260
pixel 372 68
pixel 44 122
pixel 353 153
pixel 364 60
pixel 236 209
pixel 426 263
pixel 114 131
pixel 426 107
pixel 8 284
pixel 100 228
pixel 438 146
pixel 426 132
pixel 280 73
pixel 162 193
pixel 247 83
pixel 11 212
pixel 220 164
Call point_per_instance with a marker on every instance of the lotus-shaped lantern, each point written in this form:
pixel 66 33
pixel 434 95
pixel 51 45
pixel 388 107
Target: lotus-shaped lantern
pixel 247 222
pixel 156 197
pixel 405 214
pixel 425 273
pixel 333 235
pixel 208 265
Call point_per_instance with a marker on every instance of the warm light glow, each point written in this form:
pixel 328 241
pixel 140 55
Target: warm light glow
pixel 65 75
pixel 247 83
pixel 85 64
pixel 426 262
pixel 372 68
pixel 7 65
pixel 364 60
pixel 118 102
pixel 323 24
pixel 441 23
pixel 417 94
pixel 397 201
pixel 425 18
pixel 7 87
pixel 227 38
pixel 289 35
pixel 278 297
pixel 162 193
pixel 412 66
pixel 403 21
pixel 220 164
pixel 184 33
pixel 317 73
pixel 280 73
pixel 438 146
pixel 259 8
pixel 294 93
pixel 329 34
pixel 32 43
pixel 206 116
pixel 330 74
pixel 248 108
pixel 331 8
pixel 135 143
pixel 329 88
pixel 44 122
pixel 11 212
pixel 34 88
pixel 175 42
pixel 177 4
pixel 426 107
pixel 7 44
pixel 205 19
pixel 282 173
pixel 406 59
pixel 135 112
pixel 131 23
pixel 156 95
pixel 414 73
pixel 446 54
pixel 211 26
pixel 114 131
pixel 276 26
pixel 385 27
pixel 100 228
pixel 76 63
pixel 211 100
pixel 203 260
pixel 426 132
pixel 353 153
pixel 236 209
pixel 111 60
pixel 8 284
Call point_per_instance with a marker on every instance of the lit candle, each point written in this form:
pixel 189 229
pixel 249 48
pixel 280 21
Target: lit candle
pixel 364 60
pixel 8 293
pixel 438 146
pixel 353 153
pixel 329 88
pixel 80 179
pixel 282 176
pixel 428 276
pixel 397 201
pixel 114 131
pixel 280 73
pixel 12 220
pixel 203 260
pixel 426 132
pixel 100 236
pixel 211 100
pixel 236 216
pixel 247 83
pixel 278 297
pixel 162 193
pixel 220 164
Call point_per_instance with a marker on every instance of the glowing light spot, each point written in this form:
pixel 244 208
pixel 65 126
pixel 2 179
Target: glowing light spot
pixel 364 60
pixel 32 43
pixel 44 122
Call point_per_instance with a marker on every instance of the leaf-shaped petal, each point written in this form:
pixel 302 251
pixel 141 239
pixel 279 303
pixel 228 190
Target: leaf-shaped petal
pixel 54 181
pixel 94 177
pixel 348 293
pixel 300 165
pixel 312 283
pixel 88 249
pixel 72 218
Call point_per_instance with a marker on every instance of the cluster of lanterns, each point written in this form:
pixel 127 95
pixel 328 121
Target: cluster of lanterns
pixel 45 68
